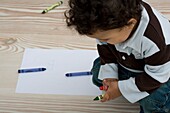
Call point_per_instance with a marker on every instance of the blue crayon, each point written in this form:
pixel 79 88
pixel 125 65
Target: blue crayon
pixel 79 74
pixel 31 70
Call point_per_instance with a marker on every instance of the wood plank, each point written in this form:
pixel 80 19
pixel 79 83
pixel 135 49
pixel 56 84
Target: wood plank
pixel 23 26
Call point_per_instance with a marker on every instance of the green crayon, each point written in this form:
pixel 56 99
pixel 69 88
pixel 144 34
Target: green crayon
pixel 52 7
pixel 98 97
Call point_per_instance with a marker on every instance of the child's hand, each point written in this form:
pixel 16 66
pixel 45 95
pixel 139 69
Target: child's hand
pixel 112 91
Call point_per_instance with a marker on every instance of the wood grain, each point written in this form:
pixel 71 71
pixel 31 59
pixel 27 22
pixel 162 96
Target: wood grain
pixel 23 26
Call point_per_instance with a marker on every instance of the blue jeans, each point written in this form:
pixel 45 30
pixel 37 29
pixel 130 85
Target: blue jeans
pixel 156 102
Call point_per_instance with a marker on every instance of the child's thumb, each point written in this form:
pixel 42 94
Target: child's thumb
pixel 106 83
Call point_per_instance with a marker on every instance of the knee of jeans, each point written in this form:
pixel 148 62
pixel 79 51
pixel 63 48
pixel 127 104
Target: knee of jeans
pixel 96 67
pixel 156 103
pixel 97 81
pixel 95 71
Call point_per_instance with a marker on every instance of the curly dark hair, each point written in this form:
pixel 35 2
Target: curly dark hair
pixel 88 16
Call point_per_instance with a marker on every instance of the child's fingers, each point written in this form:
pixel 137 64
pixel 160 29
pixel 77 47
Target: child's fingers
pixel 108 80
pixel 105 98
pixel 106 84
pixel 103 88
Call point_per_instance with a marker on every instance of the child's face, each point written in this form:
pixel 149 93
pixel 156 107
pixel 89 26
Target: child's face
pixel 113 36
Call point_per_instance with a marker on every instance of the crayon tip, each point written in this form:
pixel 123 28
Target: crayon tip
pixel 101 88
pixel 43 12
pixel 43 69
pixel 68 75
pixel 98 97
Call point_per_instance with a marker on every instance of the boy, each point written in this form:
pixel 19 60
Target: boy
pixel 134 48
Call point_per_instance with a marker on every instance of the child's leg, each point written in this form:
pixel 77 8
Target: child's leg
pixel 141 110
pixel 158 101
pixel 95 71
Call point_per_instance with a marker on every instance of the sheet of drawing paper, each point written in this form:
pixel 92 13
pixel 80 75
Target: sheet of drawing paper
pixel 53 80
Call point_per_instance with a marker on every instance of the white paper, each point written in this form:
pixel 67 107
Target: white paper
pixel 53 80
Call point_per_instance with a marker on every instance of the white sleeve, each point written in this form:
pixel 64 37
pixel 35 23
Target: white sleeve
pixel 108 71
pixel 130 91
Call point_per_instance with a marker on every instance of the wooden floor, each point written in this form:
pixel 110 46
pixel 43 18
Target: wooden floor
pixel 23 26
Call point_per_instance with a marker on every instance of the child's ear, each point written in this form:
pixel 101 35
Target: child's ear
pixel 132 22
